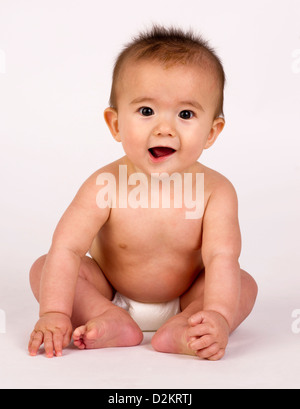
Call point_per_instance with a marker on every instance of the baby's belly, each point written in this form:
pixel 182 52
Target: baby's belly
pixel 148 277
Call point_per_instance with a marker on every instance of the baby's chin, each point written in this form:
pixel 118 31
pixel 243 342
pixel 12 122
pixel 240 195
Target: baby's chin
pixel 157 166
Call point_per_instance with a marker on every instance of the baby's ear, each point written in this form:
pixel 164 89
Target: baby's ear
pixel 215 131
pixel 111 118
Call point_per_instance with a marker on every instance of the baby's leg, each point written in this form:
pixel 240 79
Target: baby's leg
pixel 173 335
pixel 98 322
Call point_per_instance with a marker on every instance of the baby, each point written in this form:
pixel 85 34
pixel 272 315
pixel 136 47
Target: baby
pixel 153 264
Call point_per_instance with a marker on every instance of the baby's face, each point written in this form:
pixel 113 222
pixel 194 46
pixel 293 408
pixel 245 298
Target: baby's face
pixel 165 116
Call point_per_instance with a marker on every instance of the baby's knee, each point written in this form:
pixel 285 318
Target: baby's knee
pixel 35 274
pixel 249 282
pixel 249 290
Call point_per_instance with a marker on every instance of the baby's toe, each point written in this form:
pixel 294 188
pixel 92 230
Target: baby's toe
pixel 92 333
pixel 79 333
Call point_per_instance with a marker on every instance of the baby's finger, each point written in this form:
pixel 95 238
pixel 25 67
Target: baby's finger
pixel 36 340
pixel 196 319
pixel 209 352
pixel 58 343
pixel 217 356
pixel 201 343
pixel 48 344
pixel 199 330
pixel 67 338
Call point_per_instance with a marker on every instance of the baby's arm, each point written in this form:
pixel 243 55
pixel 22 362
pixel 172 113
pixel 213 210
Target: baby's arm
pixel 221 246
pixel 221 250
pixel 71 240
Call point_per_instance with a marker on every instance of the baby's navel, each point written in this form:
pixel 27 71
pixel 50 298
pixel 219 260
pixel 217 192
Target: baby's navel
pixel 123 246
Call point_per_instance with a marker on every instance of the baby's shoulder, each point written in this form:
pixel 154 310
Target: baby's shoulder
pixel 90 186
pixel 215 183
pixel 109 169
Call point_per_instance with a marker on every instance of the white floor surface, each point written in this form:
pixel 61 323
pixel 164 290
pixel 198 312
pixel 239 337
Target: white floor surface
pixel 263 353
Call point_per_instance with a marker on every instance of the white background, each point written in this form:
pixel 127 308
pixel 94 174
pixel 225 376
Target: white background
pixel 56 60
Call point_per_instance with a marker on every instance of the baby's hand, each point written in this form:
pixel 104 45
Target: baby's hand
pixel 54 330
pixel 208 332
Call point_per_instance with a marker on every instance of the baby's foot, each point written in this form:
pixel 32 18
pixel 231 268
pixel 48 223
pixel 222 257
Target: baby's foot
pixel 113 328
pixel 173 337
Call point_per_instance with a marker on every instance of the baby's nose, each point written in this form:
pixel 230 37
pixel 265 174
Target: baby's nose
pixel 164 128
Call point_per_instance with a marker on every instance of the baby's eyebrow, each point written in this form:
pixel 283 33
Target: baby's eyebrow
pixel 194 104
pixel 142 99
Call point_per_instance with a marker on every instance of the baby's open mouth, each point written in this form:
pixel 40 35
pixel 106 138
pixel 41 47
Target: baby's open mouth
pixel 161 151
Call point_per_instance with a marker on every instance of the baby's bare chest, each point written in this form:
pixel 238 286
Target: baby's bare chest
pixel 154 229
pixel 138 249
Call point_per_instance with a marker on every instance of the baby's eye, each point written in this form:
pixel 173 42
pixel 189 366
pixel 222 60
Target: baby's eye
pixel 186 114
pixel 146 111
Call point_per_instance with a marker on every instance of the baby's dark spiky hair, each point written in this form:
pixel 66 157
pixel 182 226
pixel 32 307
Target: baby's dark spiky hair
pixel 170 46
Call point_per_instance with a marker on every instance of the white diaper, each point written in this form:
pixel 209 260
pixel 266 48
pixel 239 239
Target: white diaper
pixel 149 317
